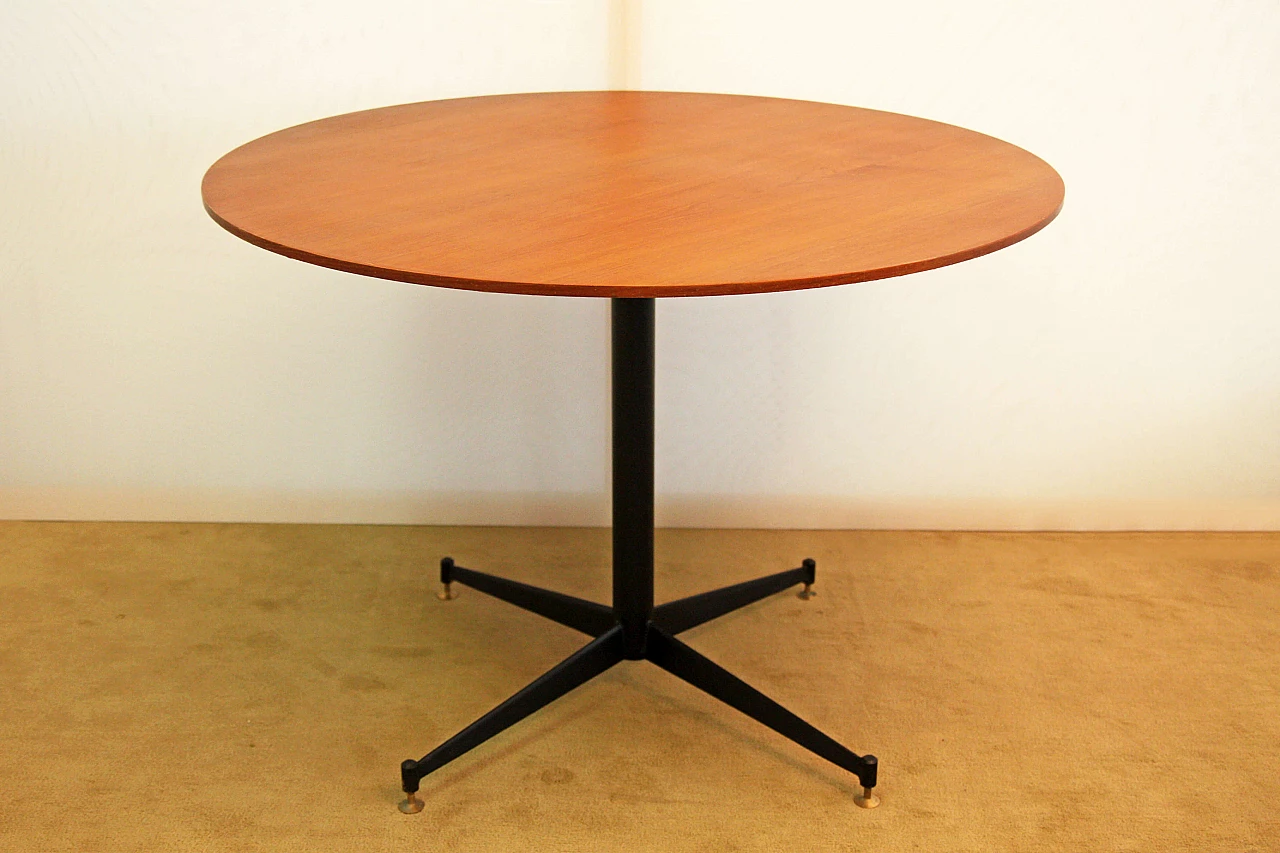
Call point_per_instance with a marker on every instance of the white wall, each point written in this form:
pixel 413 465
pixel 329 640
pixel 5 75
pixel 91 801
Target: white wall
pixel 1119 369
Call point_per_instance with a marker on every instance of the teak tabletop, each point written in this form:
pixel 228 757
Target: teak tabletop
pixel 630 194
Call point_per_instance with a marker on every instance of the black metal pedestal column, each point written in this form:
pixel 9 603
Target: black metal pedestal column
pixel 633 470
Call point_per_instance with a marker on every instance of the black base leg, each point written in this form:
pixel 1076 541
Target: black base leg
pixel 577 613
pixel 580 667
pixel 686 613
pixel 686 664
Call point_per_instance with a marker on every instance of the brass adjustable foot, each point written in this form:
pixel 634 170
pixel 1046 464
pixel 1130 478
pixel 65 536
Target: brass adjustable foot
pixel 446 578
pixel 867 800
pixel 411 805
pixel 810 567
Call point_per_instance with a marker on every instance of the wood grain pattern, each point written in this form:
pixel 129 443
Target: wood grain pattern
pixel 630 194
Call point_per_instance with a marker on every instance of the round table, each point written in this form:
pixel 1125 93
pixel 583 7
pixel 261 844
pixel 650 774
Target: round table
pixel 631 196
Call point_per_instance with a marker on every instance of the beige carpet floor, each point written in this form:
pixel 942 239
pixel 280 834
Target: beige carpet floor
pixel 193 687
